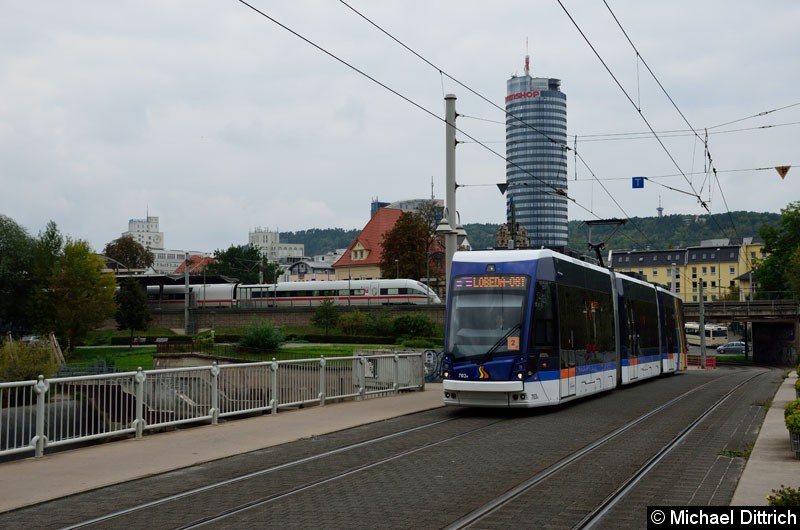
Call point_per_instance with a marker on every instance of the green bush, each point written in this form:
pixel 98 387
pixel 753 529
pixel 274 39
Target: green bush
pixel 261 336
pixel 412 326
pixel 22 362
pixel 793 422
pixel 204 340
pixel 379 324
pixel 352 323
pixel 785 496
pixel 791 408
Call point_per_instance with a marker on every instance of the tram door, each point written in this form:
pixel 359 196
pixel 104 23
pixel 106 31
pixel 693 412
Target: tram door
pixel 633 346
pixel 568 375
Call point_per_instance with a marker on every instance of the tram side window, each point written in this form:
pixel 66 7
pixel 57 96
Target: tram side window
pixel 543 340
pixel 572 317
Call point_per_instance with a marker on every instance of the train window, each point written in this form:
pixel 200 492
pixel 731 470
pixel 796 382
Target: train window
pixel 543 338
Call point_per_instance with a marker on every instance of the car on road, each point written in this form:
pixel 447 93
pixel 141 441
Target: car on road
pixel 734 347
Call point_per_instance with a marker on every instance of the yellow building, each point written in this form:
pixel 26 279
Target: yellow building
pixel 724 269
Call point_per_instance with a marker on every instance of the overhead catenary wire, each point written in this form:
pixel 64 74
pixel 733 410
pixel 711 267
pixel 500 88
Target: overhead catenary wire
pixel 508 114
pixel 711 166
pixel 410 101
pixel 641 114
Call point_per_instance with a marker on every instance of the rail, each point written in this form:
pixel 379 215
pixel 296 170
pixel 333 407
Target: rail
pixel 36 415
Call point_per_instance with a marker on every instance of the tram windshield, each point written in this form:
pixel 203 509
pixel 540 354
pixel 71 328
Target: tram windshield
pixel 486 315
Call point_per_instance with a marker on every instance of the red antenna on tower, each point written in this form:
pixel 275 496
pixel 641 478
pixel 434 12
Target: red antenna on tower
pixel 527 58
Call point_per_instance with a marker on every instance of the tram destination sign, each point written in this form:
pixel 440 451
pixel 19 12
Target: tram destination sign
pixel 492 281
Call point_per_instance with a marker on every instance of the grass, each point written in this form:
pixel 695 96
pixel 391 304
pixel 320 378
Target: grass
pixel 738 454
pixel 124 358
pixel 129 359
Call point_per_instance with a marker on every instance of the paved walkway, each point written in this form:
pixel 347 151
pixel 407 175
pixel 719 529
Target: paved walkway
pixel 772 462
pixel 33 480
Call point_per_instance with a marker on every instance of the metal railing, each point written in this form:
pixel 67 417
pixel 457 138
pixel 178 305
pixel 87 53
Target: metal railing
pixel 36 415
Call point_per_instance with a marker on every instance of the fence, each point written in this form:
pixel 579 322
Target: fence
pixel 36 415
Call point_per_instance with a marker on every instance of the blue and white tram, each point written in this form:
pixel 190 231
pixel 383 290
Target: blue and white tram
pixel 529 328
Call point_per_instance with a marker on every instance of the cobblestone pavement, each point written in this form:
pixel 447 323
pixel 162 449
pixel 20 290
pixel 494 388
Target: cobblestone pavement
pixel 487 453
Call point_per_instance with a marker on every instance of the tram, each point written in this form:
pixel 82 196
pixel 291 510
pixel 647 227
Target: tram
pixel 716 334
pixel 531 328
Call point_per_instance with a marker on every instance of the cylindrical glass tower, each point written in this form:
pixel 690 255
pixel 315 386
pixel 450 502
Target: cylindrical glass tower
pixel 536 138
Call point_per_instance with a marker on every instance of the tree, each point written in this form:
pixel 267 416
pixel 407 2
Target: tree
pixel 128 253
pixel 244 263
pixel 132 312
pixel 775 274
pixel 40 304
pixel 16 260
pixel 405 248
pixel 326 315
pixel 82 296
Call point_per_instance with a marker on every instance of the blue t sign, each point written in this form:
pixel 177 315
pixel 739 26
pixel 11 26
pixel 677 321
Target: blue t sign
pixel 638 182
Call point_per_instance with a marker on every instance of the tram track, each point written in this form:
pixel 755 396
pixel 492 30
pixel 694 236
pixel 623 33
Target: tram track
pixel 494 466
pixel 596 515
pixel 120 515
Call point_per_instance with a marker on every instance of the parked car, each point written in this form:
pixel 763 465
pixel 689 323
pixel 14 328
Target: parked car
pixel 735 347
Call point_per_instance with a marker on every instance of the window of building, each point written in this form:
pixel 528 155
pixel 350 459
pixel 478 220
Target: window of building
pixel 694 272
pixel 694 298
pixel 713 270
pixel 677 287
pixel 655 272
pixel 703 270
pixel 732 270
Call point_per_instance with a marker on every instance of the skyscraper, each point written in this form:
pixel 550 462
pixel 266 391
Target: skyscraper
pixel 536 171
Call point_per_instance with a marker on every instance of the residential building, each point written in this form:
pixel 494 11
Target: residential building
pixel 362 259
pixel 536 167
pixel 148 233
pixel 723 268
pixel 270 246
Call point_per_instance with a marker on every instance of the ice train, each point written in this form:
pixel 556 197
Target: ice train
pixel 293 294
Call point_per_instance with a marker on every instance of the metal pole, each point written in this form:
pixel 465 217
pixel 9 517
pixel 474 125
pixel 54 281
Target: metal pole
pixel 450 182
pixel 674 273
pixel 702 328
pixel 186 299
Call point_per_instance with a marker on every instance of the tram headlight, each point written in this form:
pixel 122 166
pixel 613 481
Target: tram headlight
pixel 519 375
pixel 446 374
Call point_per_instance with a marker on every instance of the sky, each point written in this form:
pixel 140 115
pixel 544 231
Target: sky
pixel 218 120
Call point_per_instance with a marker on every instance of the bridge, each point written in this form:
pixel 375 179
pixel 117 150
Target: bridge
pixel 775 326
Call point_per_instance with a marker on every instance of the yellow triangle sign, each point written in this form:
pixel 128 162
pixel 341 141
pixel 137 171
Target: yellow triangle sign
pixel 782 170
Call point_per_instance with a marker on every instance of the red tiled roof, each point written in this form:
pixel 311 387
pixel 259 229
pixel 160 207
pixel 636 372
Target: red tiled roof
pixel 371 238
pixel 196 265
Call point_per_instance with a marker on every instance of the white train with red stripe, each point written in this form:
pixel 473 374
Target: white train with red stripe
pixel 294 294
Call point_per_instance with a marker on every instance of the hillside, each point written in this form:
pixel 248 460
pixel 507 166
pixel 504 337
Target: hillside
pixel 670 231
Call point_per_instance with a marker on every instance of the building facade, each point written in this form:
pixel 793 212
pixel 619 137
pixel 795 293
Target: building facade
pixel 722 268
pixel 146 232
pixel 536 168
pixel 270 246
